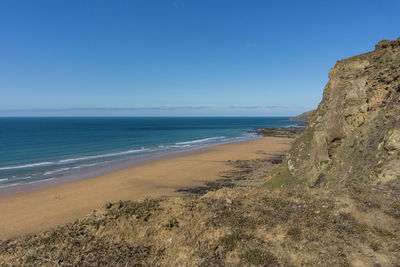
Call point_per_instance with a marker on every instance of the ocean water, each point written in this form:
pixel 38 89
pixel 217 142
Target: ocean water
pixel 43 149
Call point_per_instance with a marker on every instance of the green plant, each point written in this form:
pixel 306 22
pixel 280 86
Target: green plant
pixel 383 41
pixel 128 232
pixel 50 237
pixel 384 232
pixel 294 233
pixel 128 208
pixel 281 176
pixel 229 241
pixel 362 228
pixel 258 257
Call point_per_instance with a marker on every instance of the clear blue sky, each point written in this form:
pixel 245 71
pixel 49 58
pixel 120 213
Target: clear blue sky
pixel 182 57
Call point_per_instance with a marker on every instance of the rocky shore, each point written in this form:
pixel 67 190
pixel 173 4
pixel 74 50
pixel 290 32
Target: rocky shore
pixel 248 173
pixel 290 132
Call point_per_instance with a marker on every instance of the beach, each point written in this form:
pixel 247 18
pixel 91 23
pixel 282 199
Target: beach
pixel 32 211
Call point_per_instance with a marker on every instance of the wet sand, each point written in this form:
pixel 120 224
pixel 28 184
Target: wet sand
pixel 28 212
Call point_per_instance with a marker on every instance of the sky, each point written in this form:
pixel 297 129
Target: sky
pixel 179 57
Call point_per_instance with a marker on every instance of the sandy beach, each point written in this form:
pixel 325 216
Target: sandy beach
pixel 37 210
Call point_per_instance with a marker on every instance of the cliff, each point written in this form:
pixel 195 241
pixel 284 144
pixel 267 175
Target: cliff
pixel 303 117
pixel 354 135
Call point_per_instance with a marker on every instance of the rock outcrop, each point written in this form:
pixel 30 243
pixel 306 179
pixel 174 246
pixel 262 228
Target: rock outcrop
pixel 303 117
pixel 354 135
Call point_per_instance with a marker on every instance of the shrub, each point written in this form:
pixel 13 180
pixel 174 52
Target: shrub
pixel 294 233
pixel 258 257
pixel 229 241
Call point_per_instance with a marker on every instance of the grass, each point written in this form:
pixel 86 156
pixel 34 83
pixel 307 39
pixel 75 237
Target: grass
pixel 327 237
pixel 294 233
pixel 50 237
pixel 383 41
pixel 281 177
pixel 229 241
pixel 363 228
pixel 128 232
pixel 385 60
pixel 258 257
pixel 302 145
pixel 384 233
pixel 323 162
pixel 129 208
pixel 396 205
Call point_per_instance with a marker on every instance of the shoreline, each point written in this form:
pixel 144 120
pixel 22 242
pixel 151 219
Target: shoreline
pixel 105 169
pixel 45 208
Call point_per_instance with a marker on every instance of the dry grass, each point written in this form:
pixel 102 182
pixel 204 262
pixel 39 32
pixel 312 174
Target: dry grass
pixel 288 226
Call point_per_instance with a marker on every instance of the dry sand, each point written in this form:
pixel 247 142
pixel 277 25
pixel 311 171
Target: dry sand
pixel 29 212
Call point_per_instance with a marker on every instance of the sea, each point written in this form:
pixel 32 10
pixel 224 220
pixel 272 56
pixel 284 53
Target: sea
pixel 34 150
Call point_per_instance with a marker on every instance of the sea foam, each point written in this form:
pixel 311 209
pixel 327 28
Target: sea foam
pixel 132 151
pixel 27 165
pixel 201 140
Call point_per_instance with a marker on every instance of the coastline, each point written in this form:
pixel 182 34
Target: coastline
pixel 31 211
pixel 102 170
pixel 92 146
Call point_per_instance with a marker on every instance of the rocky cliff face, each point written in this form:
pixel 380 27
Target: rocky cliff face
pixel 354 135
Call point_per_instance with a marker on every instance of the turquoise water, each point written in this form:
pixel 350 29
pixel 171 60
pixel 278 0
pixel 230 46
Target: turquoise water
pixel 37 149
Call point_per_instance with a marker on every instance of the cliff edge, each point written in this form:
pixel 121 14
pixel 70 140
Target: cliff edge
pixel 354 135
